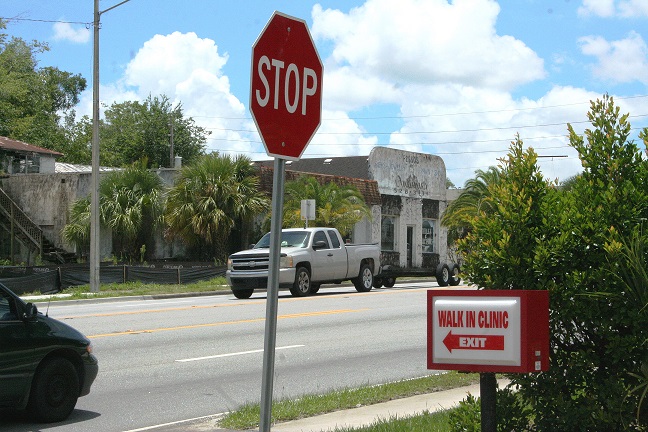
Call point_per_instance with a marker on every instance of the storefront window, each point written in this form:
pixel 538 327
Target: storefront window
pixel 428 236
pixel 387 233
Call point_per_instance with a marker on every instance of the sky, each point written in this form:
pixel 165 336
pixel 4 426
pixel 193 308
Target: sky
pixel 458 79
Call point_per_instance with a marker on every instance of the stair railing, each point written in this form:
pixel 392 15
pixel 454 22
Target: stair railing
pixel 21 222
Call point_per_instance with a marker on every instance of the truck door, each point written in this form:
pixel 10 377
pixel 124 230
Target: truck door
pixel 328 260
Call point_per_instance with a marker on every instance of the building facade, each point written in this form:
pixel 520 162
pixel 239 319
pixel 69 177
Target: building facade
pixel 413 196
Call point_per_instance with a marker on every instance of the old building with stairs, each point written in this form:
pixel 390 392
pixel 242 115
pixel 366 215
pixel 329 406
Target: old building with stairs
pixel 23 239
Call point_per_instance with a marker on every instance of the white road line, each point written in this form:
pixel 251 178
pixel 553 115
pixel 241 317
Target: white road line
pixel 236 354
pixel 214 416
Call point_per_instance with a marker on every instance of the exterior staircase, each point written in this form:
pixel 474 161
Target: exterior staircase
pixel 21 228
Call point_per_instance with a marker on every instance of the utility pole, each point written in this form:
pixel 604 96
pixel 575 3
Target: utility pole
pixel 171 160
pixel 95 246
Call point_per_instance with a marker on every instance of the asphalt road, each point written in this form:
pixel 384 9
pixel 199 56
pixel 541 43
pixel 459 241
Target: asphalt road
pixel 168 360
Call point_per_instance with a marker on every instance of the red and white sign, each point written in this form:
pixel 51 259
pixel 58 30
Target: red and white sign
pixel 286 86
pixel 488 331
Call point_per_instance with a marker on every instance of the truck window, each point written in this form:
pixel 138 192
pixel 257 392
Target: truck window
pixel 321 236
pixel 335 243
pixel 288 239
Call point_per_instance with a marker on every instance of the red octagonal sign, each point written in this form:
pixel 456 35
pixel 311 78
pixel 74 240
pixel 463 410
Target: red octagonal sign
pixel 286 86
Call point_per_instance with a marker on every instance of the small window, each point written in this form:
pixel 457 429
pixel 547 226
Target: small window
pixel 388 233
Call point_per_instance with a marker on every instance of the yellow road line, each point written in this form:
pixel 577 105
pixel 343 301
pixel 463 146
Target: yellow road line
pixel 245 321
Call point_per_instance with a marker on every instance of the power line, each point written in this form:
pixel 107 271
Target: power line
pixel 431 132
pixel 45 21
pixel 404 117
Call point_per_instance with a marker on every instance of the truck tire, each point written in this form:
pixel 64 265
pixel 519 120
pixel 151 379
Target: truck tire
pixel 243 293
pixel 454 275
pixel 443 274
pixel 314 288
pixel 302 285
pixel 364 281
pixel 390 282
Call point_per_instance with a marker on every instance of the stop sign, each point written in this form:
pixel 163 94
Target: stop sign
pixel 286 86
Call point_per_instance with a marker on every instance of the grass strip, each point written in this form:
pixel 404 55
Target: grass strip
pixel 248 415
pixel 426 421
pixel 138 289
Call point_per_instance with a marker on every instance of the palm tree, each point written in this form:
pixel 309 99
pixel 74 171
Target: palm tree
pixel 77 230
pixel 130 203
pixel 209 199
pixel 474 200
pixel 337 206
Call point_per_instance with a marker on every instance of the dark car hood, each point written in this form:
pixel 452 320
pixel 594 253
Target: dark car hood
pixel 61 330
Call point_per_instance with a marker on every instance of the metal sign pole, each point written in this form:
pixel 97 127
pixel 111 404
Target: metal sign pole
pixel 270 339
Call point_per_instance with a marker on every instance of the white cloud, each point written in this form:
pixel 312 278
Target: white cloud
pixel 339 135
pixel 610 8
pixel 633 8
pixel 423 41
pixel 188 70
pixel 64 31
pixel 620 61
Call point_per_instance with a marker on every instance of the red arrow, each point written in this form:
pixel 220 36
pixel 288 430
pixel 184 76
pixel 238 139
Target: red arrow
pixel 474 342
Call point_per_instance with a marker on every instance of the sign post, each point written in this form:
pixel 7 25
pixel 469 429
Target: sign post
pixel 286 105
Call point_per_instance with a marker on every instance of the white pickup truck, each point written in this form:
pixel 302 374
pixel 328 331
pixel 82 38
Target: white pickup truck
pixel 309 258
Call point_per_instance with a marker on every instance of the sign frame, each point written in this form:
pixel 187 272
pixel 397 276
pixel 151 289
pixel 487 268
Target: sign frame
pixel 533 322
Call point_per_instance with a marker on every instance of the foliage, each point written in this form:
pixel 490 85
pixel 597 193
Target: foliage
pixel 535 236
pixel 560 239
pixel 77 230
pixel 628 261
pixel 207 200
pixel 336 206
pixel 426 421
pixel 499 250
pixel 130 203
pixel 513 413
pixel 32 99
pixel 136 130
pixel 473 200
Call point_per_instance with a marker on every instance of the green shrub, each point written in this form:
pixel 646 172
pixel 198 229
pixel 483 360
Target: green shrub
pixel 513 414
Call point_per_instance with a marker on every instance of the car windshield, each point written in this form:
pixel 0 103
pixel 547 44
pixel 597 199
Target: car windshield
pixel 288 239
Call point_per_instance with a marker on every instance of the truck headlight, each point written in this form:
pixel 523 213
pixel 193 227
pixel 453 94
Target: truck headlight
pixel 286 262
pixel 229 263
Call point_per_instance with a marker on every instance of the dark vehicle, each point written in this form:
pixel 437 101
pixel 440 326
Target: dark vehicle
pixel 45 365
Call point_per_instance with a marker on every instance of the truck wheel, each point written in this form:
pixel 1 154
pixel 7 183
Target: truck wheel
pixel 443 274
pixel 55 391
pixel 302 285
pixel 243 293
pixel 390 282
pixel 364 281
pixel 454 275
pixel 377 283
pixel 314 288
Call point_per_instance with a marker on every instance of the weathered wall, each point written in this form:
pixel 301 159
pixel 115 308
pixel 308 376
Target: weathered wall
pixel 408 174
pixel 46 198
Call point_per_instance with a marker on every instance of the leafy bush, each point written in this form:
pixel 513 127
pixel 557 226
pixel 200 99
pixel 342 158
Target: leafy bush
pixel 513 413
pixel 537 236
